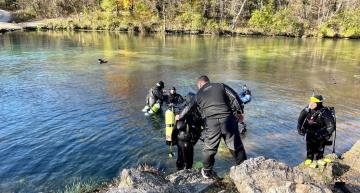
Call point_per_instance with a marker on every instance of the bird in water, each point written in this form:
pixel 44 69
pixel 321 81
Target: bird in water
pixel 101 61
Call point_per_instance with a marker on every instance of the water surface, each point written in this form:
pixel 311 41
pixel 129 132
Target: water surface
pixel 65 118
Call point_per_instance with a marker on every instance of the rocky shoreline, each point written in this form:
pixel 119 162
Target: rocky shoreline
pixel 27 26
pixel 255 175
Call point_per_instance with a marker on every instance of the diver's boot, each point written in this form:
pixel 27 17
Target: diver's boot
pixel 307 162
pixel 209 174
pixel 328 160
pixel 145 109
pixel 313 165
pixel 321 162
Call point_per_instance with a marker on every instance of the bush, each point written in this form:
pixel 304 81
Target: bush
pixel 190 21
pixel 212 27
pixel 262 19
pixel 282 22
pixel 23 16
pixel 345 24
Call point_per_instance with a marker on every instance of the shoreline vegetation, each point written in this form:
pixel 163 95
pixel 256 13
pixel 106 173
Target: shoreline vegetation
pixel 298 18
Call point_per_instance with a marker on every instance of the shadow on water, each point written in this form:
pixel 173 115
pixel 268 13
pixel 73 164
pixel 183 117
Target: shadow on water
pixel 64 117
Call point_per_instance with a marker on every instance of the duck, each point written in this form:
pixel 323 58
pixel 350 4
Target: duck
pixel 101 61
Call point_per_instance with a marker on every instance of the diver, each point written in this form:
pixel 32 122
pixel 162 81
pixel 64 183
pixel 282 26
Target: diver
pixel 188 132
pixel 222 109
pixel 317 122
pixel 174 98
pixel 154 99
pixel 245 97
pixel 245 94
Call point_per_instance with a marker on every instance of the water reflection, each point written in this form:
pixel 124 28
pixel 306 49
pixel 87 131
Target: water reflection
pixel 64 117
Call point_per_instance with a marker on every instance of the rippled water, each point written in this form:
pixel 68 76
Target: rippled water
pixel 65 118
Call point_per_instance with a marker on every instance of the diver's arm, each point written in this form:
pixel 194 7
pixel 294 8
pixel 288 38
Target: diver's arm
pixel 235 101
pixel 181 99
pixel 301 120
pixel 185 111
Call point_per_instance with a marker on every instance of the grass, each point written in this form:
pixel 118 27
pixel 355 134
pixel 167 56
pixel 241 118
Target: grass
pixel 89 186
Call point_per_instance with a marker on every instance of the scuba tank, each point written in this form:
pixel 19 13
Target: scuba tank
pixel 155 108
pixel 169 125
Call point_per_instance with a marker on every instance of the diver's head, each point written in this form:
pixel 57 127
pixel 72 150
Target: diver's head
pixel 160 84
pixel 202 80
pixel 173 90
pixel 316 102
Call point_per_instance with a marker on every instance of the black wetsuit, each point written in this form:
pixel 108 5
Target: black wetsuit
pixel 155 94
pixel 218 103
pixel 318 125
pixel 175 98
pixel 188 136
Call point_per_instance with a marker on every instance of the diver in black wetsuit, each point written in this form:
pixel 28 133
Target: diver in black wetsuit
pixel 154 99
pixel 188 131
pixel 317 122
pixel 174 97
pixel 222 109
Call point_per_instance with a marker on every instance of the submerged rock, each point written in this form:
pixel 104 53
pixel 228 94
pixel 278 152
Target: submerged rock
pixel 258 175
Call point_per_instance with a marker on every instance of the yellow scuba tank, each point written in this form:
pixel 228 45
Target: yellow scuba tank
pixel 155 108
pixel 169 122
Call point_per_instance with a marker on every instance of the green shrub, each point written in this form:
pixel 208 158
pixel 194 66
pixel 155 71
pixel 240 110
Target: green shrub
pixel 263 19
pixel 212 27
pixel 345 24
pixel 190 21
pixel 283 23
pixel 23 15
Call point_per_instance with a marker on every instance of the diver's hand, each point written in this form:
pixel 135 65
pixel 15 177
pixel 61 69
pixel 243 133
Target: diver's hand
pixel 177 117
pixel 240 117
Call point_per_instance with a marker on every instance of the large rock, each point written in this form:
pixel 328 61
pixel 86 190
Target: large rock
pixel 324 175
pixel 146 180
pixel 352 157
pixel 260 175
pixel 142 180
pixel 190 181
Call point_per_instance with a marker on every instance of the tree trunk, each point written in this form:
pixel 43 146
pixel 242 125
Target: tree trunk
pixel 164 15
pixel 237 16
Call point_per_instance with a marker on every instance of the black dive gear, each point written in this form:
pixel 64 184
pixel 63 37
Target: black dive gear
pixel 218 104
pixel 188 131
pixel 318 126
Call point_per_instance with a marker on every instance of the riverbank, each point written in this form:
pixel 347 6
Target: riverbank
pixel 84 23
pixel 254 175
pixel 336 19
pixel 26 26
